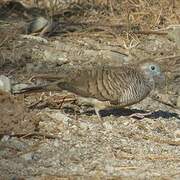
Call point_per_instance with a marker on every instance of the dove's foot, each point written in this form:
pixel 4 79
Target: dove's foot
pixel 140 115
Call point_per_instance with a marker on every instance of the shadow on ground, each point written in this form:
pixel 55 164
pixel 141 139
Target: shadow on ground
pixel 134 112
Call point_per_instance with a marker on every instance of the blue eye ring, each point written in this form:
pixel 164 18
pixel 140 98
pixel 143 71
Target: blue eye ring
pixel 153 67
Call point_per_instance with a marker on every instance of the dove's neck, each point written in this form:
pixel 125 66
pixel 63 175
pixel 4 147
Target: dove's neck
pixel 150 82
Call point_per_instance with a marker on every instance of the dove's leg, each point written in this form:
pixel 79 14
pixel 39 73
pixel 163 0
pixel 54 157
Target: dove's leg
pixel 97 113
pixel 98 105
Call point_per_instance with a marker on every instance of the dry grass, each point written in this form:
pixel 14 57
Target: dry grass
pixel 130 20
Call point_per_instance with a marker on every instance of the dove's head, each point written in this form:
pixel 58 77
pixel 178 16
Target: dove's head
pixel 151 69
pixel 153 72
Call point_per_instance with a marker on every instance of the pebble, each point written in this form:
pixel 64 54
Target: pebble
pixel 5 83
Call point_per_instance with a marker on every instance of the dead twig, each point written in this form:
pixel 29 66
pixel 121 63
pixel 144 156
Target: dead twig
pixel 150 32
pixel 27 135
pixel 165 103
pixel 161 141
pixel 3 41
pixel 168 57
pixel 35 103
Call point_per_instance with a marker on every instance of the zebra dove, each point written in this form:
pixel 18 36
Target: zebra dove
pixel 105 86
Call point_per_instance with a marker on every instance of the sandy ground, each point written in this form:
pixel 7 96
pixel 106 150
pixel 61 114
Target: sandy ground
pixel 49 136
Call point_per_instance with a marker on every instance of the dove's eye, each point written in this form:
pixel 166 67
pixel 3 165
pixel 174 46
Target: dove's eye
pixel 153 68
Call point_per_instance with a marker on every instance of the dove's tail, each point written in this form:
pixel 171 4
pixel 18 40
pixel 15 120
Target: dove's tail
pixel 33 88
pixel 53 86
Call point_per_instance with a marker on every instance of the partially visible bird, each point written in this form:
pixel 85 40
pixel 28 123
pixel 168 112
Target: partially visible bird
pixel 107 86
pixel 41 26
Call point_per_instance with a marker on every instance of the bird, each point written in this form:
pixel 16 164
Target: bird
pixel 106 87
pixel 41 26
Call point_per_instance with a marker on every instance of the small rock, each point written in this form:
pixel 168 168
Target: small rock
pixel 41 25
pixel 56 143
pixel 84 126
pixel 110 169
pixel 108 126
pixel 36 25
pixel 28 156
pixel 5 83
pixel 36 38
pixel 60 117
pixel 177 135
pixel 52 55
pixel 17 88
pixel 174 34
pixel 5 138
pixel 178 102
pixel 35 67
